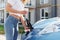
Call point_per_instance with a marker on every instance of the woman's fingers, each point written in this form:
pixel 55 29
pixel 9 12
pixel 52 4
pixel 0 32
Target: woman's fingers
pixel 23 12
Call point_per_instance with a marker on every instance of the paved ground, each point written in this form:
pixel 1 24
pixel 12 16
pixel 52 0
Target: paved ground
pixel 2 37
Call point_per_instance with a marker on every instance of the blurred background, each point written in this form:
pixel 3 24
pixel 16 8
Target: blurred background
pixel 37 10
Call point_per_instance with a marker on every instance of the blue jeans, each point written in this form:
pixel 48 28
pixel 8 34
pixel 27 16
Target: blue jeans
pixel 9 25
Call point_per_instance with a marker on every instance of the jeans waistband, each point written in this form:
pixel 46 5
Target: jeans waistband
pixel 12 19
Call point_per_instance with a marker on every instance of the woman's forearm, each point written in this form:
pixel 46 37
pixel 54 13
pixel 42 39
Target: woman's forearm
pixel 10 9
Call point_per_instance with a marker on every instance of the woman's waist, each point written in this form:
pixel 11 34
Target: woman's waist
pixel 11 19
pixel 17 16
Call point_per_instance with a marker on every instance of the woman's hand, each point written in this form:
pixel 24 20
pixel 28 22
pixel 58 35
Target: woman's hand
pixel 23 12
pixel 26 29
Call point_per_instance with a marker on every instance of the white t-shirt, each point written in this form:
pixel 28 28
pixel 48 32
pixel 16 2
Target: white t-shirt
pixel 17 5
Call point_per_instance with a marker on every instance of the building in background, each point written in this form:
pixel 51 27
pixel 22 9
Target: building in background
pixel 38 9
pixel 2 11
pixel 42 9
pixel 45 9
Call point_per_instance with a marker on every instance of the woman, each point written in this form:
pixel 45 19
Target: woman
pixel 16 10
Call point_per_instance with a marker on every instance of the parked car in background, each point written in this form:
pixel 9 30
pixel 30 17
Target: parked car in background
pixel 46 29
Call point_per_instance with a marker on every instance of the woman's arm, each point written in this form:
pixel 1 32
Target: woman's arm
pixel 10 9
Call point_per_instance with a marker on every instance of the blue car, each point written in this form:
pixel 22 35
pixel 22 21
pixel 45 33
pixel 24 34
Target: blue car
pixel 48 36
pixel 46 29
